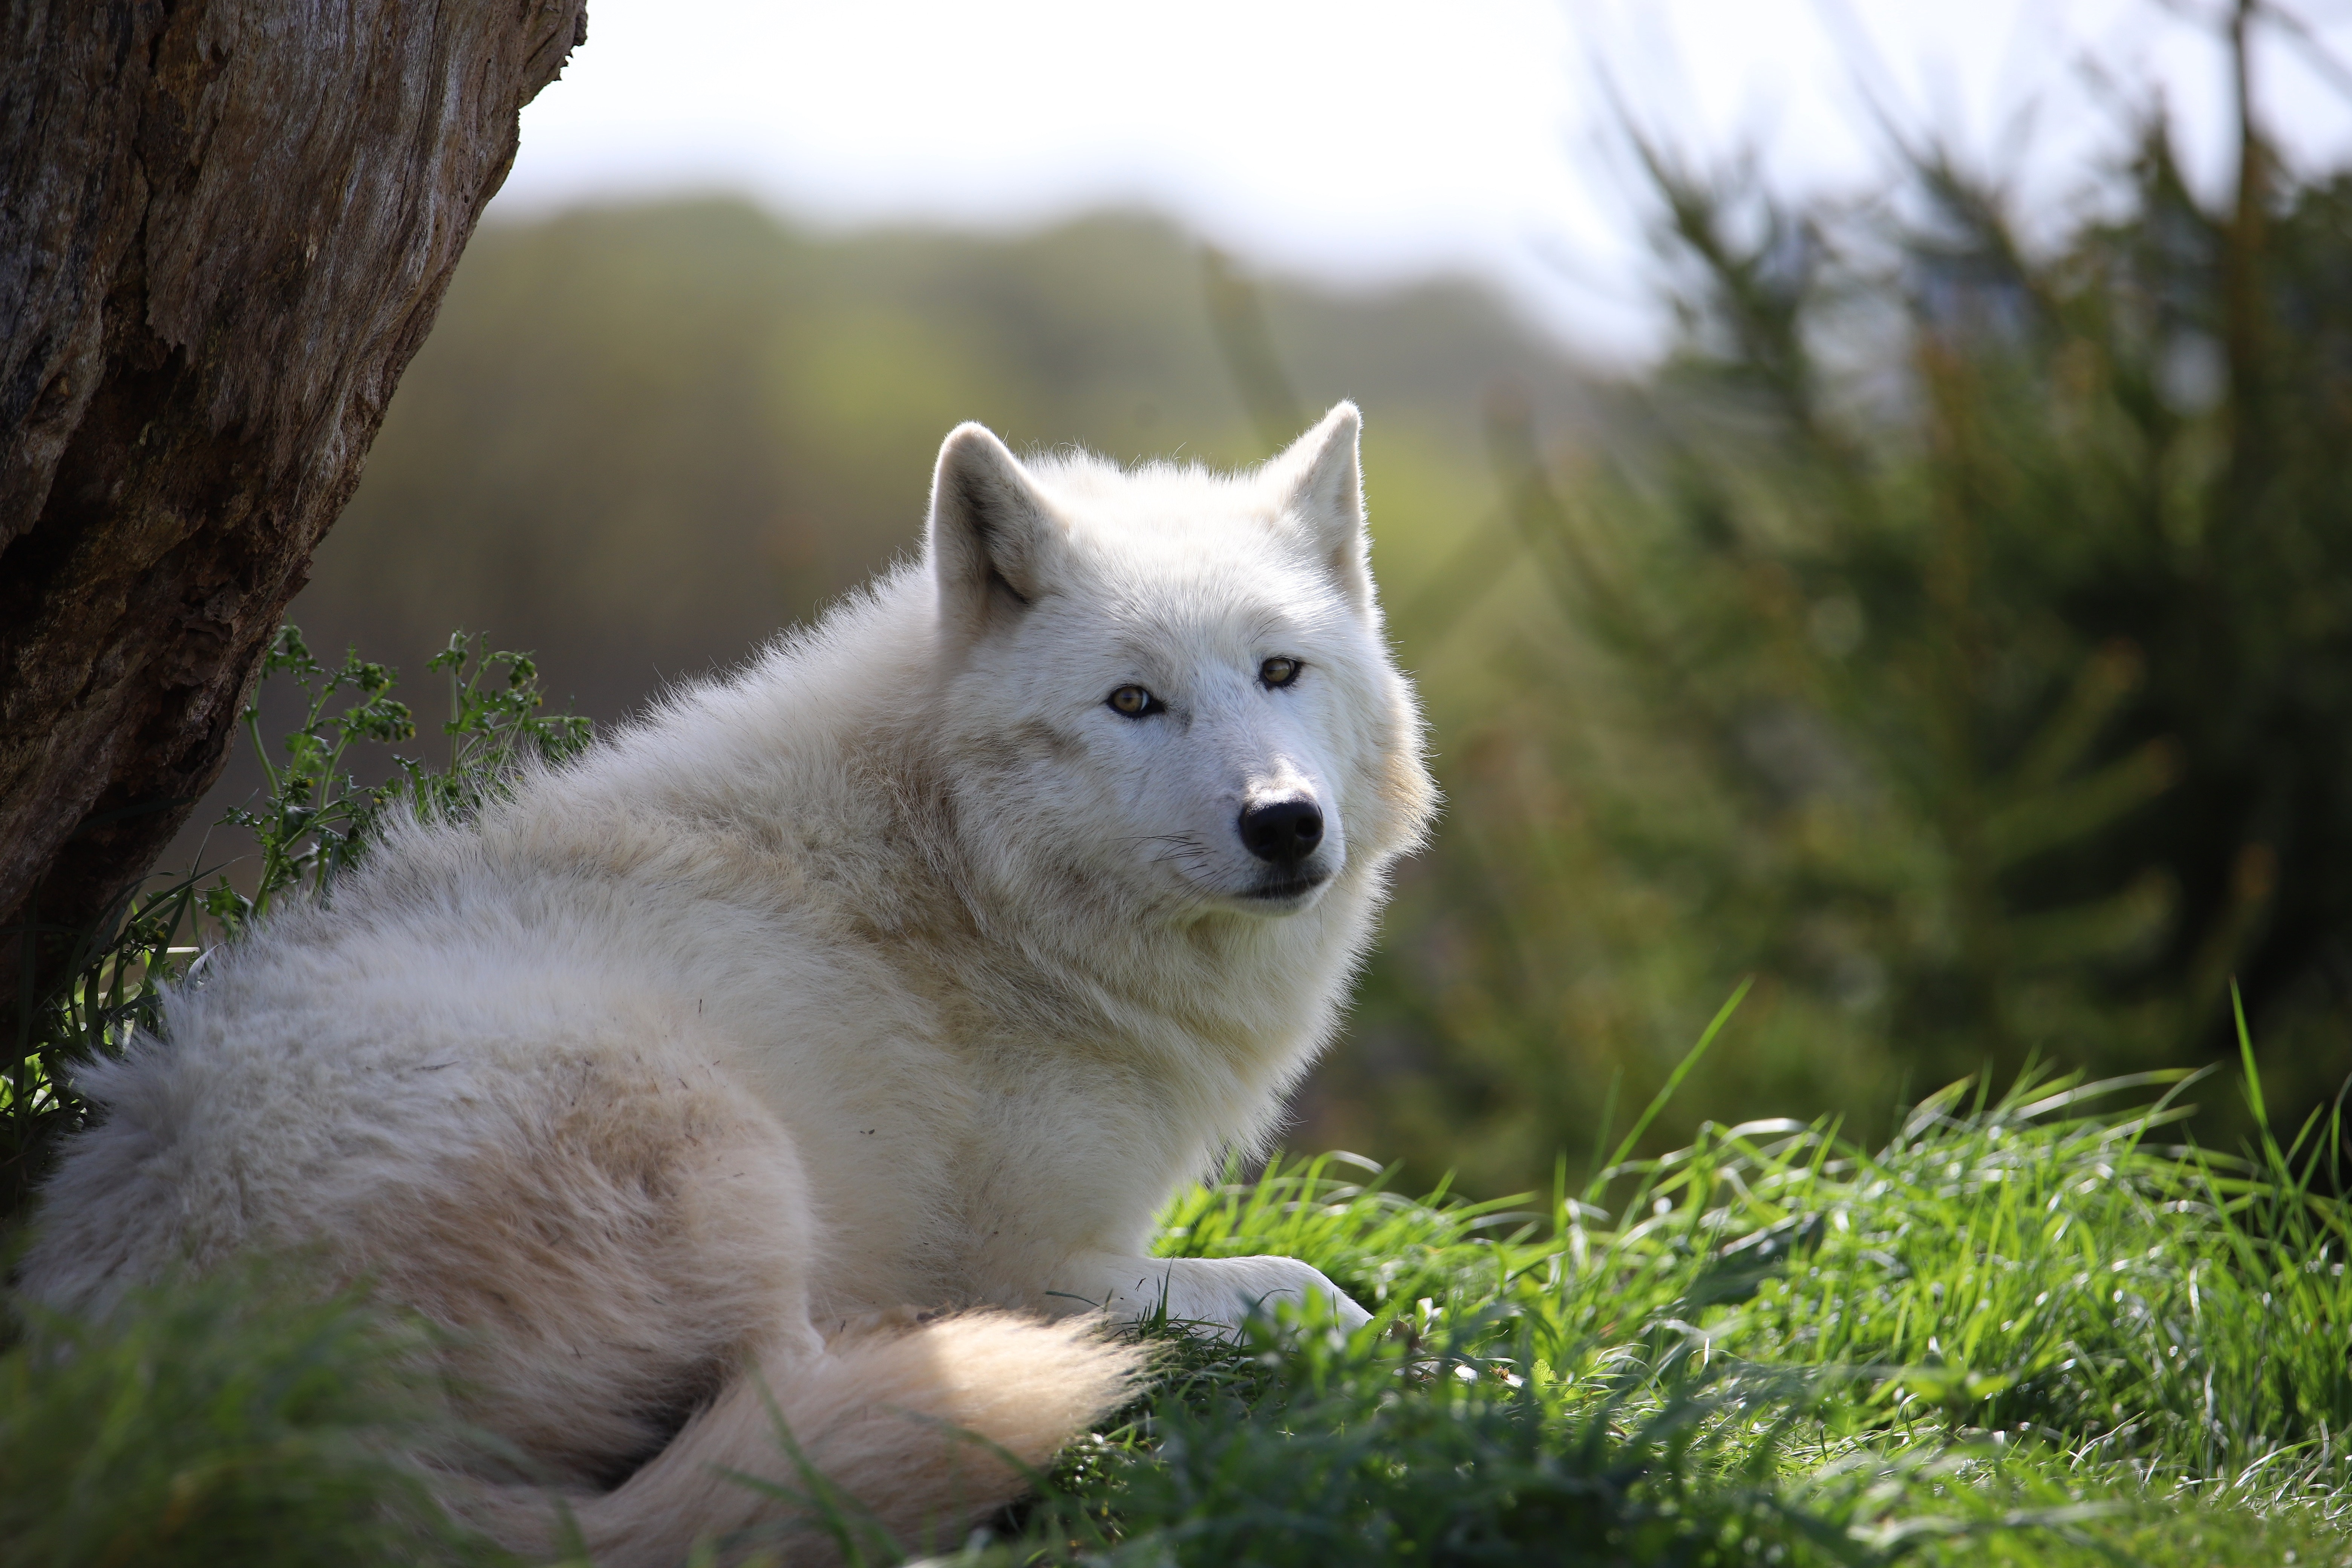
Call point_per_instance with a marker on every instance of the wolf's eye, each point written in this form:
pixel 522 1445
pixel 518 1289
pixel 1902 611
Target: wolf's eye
pixel 1134 703
pixel 1278 671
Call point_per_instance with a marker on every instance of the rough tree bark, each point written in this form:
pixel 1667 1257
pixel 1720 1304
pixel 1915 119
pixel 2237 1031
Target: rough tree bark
pixel 225 228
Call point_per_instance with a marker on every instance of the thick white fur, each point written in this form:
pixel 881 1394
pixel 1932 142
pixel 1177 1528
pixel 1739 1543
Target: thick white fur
pixel 899 971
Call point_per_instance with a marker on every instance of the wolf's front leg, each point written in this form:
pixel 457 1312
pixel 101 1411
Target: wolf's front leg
pixel 1223 1291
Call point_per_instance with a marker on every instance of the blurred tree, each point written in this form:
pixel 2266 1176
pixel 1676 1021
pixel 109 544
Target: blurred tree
pixel 1963 643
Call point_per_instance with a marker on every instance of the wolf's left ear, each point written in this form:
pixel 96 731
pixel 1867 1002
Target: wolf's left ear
pixel 1318 484
pixel 990 535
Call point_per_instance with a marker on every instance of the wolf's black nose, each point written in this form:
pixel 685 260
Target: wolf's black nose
pixel 1283 831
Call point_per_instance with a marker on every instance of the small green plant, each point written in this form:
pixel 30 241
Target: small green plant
pixel 117 970
pixel 314 820
pixel 317 817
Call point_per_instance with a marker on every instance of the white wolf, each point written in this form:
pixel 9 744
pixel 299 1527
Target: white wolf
pixel 911 968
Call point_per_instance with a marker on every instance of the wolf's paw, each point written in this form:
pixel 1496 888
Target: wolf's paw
pixel 1225 1293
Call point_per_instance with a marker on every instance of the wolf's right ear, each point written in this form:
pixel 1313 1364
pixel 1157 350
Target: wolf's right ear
pixel 1318 482
pixel 990 533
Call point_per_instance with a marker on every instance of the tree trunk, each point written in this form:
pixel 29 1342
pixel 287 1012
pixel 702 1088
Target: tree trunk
pixel 225 227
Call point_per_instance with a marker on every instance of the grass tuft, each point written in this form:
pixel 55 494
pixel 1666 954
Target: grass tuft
pixel 224 1422
pixel 2025 1330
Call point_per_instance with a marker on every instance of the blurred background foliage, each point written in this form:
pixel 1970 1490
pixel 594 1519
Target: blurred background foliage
pixel 1958 642
pixel 1951 634
pixel 642 439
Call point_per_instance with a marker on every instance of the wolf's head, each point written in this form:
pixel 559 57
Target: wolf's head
pixel 1167 686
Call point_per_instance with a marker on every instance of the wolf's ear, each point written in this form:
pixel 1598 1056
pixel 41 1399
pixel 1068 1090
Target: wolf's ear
pixel 991 531
pixel 1318 484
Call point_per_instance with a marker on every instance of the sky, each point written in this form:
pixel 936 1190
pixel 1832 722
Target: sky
pixel 1364 143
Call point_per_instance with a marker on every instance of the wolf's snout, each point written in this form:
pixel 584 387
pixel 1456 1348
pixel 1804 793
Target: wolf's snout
pixel 1284 831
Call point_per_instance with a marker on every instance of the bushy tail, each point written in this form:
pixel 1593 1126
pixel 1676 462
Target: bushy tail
pixel 919 1432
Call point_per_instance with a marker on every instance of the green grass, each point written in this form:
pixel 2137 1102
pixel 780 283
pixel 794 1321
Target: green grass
pixel 2028 1331
pixel 230 1422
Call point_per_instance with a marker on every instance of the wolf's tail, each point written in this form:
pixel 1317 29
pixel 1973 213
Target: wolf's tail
pixel 917 1432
